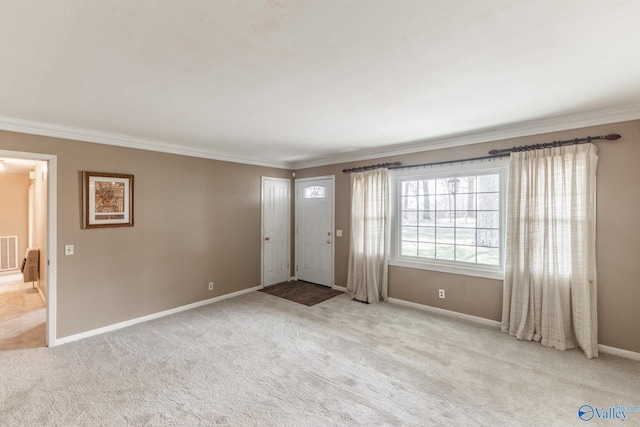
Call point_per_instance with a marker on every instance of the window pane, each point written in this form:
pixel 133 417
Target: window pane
pixel 427 234
pixel 442 187
pixel 488 219
pixel 488 201
pixel 445 252
pixel 409 233
pixel 410 188
pixel 489 256
pixel 426 203
pixel 409 248
pixel 409 218
pixel 444 218
pixel 427 217
pixel 488 183
pixel 488 238
pixel 466 237
pixel 466 202
pixel 443 202
pixel 466 253
pixel 466 219
pixel 427 187
pixel 427 250
pixel 409 203
pixel 445 235
pixel 467 185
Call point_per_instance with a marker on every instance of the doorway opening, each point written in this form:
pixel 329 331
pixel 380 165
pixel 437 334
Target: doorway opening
pixel 27 257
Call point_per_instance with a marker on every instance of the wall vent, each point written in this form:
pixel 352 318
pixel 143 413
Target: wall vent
pixel 8 253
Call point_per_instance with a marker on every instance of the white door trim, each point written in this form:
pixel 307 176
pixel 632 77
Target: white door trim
pixel 288 181
pixel 52 223
pixel 333 223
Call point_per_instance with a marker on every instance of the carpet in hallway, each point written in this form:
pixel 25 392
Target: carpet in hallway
pixel 22 314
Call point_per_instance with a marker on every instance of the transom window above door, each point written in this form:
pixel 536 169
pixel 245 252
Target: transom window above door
pixel 315 192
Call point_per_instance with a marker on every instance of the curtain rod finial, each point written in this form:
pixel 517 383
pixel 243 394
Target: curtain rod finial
pixel 612 137
pixel 494 152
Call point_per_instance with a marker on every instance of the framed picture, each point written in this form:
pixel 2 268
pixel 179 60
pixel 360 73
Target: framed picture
pixel 108 200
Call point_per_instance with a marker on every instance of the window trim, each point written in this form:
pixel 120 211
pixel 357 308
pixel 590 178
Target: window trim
pixel 499 166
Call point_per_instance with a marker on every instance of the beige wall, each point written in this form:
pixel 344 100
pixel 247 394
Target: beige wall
pixel 196 221
pixel 618 236
pixel 14 209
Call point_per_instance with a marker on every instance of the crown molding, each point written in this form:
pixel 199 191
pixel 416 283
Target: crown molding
pixel 87 135
pixel 535 127
pixel 516 130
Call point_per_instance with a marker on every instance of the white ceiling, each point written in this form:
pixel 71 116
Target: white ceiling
pixel 293 82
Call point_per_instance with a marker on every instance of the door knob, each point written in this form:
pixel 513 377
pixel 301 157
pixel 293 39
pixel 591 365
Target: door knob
pixel 267 238
pixel 328 241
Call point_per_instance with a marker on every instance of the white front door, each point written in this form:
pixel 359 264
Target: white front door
pixel 276 202
pixel 314 230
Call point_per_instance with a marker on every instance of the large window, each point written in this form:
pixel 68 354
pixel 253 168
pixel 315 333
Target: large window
pixel 451 220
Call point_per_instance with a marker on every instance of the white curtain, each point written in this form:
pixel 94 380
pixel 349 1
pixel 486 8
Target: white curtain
pixel 550 267
pixel 368 247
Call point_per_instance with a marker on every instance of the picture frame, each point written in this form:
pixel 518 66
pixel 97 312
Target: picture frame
pixel 107 200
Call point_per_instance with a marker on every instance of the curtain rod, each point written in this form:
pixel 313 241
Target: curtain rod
pixel 588 139
pixel 493 154
pixel 379 165
pixel 496 154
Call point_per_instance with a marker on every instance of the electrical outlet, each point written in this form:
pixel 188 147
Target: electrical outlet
pixel 441 293
pixel 210 286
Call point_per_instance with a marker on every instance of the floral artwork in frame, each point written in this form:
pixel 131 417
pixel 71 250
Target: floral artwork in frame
pixel 108 200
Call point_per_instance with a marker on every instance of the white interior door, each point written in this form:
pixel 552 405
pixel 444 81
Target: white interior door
pixel 276 228
pixel 314 230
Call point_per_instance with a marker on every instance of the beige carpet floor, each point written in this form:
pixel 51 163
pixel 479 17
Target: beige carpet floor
pixel 259 360
pixel 22 314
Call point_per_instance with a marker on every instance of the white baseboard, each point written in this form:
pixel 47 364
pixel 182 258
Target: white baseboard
pixel 339 288
pixel 603 348
pixel 450 313
pixel 627 354
pixel 153 316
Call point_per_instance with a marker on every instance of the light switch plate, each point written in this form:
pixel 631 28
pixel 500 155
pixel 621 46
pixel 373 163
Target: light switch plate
pixel 68 250
pixel 338 233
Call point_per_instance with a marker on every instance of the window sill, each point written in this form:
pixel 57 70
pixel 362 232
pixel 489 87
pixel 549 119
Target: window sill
pixel 475 272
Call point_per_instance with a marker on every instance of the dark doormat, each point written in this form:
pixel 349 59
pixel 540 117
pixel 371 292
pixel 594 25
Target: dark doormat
pixel 301 292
